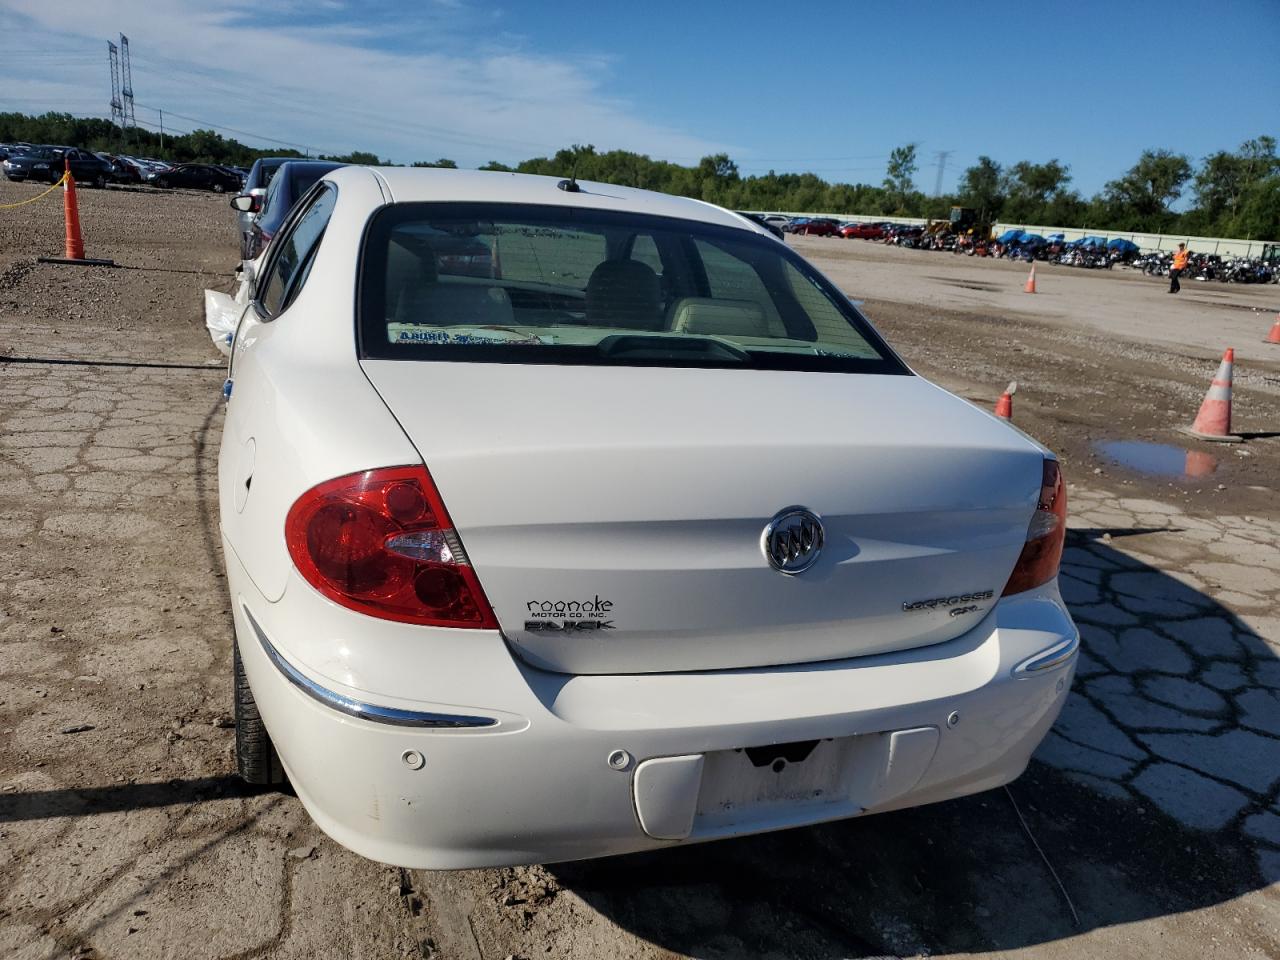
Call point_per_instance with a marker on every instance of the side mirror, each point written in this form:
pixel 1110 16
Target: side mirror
pixel 246 203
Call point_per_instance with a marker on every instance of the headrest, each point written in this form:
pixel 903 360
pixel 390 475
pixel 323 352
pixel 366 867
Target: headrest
pixel 624 293
pixel 714 317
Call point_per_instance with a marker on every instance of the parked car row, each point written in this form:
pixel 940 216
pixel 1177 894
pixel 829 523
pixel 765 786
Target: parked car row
pixel 1016 244
pixel 829 226
pixel 46 163
pixel 272 187
pixel 198 176
pixel 813 226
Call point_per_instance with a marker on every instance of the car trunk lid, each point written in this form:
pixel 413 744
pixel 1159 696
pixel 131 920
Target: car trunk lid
pixel 614 515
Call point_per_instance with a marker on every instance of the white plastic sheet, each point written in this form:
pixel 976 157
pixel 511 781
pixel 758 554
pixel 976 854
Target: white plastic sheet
pixel 221 314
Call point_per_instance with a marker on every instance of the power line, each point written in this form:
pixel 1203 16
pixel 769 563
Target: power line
pixel 399 126
pixel 64 100
pixel 243 133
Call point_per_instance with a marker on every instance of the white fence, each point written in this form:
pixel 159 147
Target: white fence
pixel 1147 241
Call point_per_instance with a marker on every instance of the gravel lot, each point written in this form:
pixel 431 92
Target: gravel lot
pixel 125 834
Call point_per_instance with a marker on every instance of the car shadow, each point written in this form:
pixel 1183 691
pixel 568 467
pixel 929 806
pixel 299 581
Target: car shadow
pixel 1131 804
pixel 90 801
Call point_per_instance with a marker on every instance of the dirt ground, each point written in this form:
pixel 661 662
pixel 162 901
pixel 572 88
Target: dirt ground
pixel 124 832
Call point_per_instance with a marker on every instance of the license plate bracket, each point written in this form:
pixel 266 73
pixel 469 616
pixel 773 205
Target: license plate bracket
pixel 763 783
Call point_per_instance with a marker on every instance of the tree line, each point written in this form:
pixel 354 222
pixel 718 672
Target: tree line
pixel 1232 193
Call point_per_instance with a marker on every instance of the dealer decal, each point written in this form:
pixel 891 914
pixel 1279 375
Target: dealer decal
pixel 568 616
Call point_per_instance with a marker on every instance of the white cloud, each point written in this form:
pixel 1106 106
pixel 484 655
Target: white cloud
pixel 468 91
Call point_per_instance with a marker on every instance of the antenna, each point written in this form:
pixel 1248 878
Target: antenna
pixel 126 84
pixel 117 108
pixel 571 185
pixel 942 165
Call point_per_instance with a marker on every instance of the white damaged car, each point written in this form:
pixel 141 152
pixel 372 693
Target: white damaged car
pixel 564 520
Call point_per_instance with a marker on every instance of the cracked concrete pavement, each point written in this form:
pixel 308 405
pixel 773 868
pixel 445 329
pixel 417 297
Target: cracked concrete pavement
pixel 125 834
pixel 1177 695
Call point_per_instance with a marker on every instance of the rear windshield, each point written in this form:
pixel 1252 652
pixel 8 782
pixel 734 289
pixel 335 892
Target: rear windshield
pixel 532 284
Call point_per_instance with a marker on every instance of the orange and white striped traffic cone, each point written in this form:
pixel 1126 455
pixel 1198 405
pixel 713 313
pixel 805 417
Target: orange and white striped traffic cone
pixel 1274 335
pixel 1004 406
pixel 1031 281
pixel 1213 422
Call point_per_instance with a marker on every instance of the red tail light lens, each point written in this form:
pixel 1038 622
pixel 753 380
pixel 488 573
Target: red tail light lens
pixel 1042 553
pixel 381 542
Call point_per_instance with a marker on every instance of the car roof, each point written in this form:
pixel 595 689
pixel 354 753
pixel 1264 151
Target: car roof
pixel 425 184
pixel 322 165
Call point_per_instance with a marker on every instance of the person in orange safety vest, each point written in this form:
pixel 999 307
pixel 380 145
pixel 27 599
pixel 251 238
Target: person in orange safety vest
pixel 1179 264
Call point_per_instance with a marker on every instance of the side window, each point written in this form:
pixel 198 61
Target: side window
pixel 294 249
pixel 729 278
pixel 827 319
pixel 273 191
pixel 645 250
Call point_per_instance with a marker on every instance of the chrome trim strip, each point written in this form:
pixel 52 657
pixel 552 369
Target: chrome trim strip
pixel 1055 656
pixel 357 708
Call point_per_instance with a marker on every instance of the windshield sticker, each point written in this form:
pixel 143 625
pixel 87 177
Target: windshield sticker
pixel 413 333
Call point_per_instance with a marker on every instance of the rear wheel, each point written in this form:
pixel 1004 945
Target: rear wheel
pixel 219 188
pixel 256 757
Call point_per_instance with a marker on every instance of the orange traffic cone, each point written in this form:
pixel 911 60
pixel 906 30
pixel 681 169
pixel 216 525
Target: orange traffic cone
pixel 1031 281
pixel 1274 335
pixel 71 211
pixel 74 251
pixel 1213 422
pixel 1004 406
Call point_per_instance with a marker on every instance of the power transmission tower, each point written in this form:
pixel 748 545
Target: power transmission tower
pixel 117 108
pixel 126 84
pixel 942 165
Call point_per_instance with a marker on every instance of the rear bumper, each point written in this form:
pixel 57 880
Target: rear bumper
pixel 522 766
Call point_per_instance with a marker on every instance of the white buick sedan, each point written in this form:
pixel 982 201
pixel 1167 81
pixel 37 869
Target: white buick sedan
pixel 564 520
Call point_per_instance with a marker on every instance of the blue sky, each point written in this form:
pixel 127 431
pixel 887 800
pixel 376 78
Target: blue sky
pixel 826 87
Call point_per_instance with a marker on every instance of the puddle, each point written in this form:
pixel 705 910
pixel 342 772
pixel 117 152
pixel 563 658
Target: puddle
pixel 1158 459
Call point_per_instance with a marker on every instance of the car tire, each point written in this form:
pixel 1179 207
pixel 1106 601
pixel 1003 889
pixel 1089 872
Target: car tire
pixel 219 188
pixel 100 182
pixel 256 757
pixel 162 183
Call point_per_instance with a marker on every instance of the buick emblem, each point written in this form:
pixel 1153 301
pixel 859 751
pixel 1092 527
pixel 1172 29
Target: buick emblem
pixel 792 540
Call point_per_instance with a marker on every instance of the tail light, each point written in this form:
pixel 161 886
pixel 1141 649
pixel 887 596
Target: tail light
pixel 1041 554
pixel 381 543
